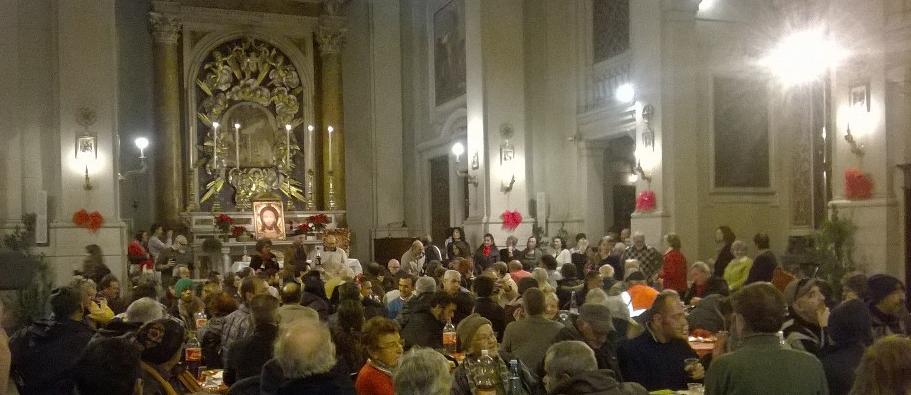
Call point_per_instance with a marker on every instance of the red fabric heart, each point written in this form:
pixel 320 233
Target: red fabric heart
pixel 858 186
pixel 511 220
pixel 646 201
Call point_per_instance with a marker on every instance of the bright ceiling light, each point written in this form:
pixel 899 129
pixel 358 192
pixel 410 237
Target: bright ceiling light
pixel 705 5
pixel 625 93
pixel 803 57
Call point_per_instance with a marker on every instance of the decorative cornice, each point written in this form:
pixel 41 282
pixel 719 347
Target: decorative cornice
pixel 330 34
pixel 165 29
pixel 335 7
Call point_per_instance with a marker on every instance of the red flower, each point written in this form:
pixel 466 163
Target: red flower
pixel 858 186
pixel 237 231
pixel 511 220
pixel 645 201
pixel 303 228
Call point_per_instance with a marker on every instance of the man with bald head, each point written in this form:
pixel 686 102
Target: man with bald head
pixel 291 308
pixel 331 252
pixel 413 259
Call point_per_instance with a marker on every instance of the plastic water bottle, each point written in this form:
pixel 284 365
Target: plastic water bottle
pixel 485 376
pixel 573 307
pixel 449 338
pixel 515 383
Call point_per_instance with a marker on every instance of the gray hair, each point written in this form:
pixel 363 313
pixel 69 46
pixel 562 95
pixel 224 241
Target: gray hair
pixel 606 270
pixel 739 245
pixel 422 371
pixel 425 284
pixel 305 349
pixel 619 247
pixel 596 296
pixel 449 274
pixel 702 267
pixel 144 310
pixel 569 357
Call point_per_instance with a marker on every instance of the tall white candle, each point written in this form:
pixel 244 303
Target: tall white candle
pixel 331 129
pixel 288 146
pixel 237 144
pixel 215 144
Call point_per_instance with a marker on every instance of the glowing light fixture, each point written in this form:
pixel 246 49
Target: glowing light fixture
pixel 705 5
pixel 803 57
pixel 625 93
pixel 142 143
pixel 458 149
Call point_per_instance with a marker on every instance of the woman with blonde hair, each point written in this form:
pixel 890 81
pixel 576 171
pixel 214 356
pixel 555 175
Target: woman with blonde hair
pixel 544 282
pixel 885 368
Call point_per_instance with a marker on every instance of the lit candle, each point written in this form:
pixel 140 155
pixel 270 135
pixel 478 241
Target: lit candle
pixel 331 129
pixel 237 145
pixel 215 144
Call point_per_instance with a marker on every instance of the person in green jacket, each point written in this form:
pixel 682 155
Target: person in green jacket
pixel 762 365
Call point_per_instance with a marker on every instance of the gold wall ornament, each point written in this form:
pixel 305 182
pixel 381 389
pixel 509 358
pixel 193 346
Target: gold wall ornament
pixel 249 82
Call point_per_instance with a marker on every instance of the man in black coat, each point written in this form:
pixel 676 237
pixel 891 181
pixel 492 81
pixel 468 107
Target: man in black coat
pixel 765 263
pixel 45 352
pixel 488 308
pixel 247 356
pixel 423 326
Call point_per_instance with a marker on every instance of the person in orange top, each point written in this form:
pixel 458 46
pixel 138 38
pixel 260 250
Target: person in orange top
pixel 673 271
pixel 384 346
pixel 640 293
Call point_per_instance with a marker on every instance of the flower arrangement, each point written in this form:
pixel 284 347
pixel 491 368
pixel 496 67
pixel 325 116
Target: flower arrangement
pixel 303 228
pixel 318 222
pixel 238 231
pixel 91 221
pixel 645 201
pixel 511 219
pixel 858 186
pixel 223 222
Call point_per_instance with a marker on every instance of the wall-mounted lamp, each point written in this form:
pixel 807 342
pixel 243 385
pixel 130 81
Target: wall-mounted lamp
pixel 648 135
pixel 458 149
pixel 141 143
pixel 640 173
pixel 625 93
pixel 856 148
pixel 86 154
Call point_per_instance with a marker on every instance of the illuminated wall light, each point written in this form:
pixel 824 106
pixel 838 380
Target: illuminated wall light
pixel 803 57
pixel 625 93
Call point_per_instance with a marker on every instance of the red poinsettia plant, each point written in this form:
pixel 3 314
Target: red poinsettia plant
pixel 303 228
pixel 91 221
pixel 511 219
pixel 858 185
pixel 238 231
pixel 223 222
pixel 318 222
pixel 646 201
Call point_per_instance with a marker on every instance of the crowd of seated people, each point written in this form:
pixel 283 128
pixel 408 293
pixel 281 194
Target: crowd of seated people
pixel 619 317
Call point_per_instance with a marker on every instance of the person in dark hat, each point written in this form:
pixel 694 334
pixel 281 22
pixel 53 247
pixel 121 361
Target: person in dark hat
pixel 851 332
pixel 808 316
pixel 160 343
pixel 594 326
pixel 657 358
pixel 886 301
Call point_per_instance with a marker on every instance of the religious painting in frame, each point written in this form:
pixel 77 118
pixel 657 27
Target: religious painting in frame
pixel 268 220
pixel 449 65
pixel 859 97
pixel 742 156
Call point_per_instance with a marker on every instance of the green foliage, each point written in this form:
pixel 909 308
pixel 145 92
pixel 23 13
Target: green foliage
pixel 834 249
pixel 30 303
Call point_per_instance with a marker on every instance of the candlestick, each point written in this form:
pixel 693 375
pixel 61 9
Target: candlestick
pixel 331 129
pixel 288 147
pixel 215 144
pixel 237 145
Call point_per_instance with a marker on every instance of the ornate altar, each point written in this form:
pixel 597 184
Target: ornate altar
pixel 238 112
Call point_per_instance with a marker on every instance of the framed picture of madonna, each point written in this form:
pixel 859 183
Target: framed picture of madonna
pixel 268 220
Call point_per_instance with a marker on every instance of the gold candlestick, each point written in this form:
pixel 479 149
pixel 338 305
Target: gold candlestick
pixel 311 203
pixel 331 203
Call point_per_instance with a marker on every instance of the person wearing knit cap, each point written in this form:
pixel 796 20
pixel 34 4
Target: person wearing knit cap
pixel 160 343
pixel 188 304
pixel 808 316
pixel 851 332
pixel 475 333
pixel 886 296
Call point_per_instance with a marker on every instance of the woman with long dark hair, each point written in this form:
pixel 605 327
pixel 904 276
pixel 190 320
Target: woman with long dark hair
pixel 456 234
pixel 486 255
pixel 724 236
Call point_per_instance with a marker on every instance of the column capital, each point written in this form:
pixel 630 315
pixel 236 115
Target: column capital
pixel 330 34
pixel 165 28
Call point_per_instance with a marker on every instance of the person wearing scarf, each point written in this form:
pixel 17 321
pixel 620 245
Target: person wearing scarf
pixel 475 334
pixel 486 255
pixel 160 343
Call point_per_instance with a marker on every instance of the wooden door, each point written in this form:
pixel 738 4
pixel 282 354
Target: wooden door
pixel 439 199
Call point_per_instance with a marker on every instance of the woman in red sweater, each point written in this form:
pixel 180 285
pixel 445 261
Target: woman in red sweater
pixel 673 272
pixel 384 346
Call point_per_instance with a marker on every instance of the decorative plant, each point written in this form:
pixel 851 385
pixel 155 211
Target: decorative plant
pixel 211 245
pixel 303 228
pixel 30 303
pixel 834 249
pixel 238 231
pixel 223 222
pixel 318 222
